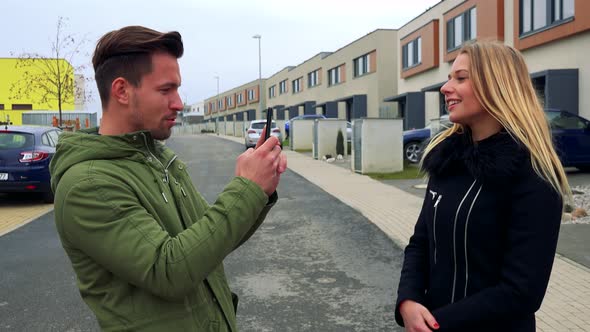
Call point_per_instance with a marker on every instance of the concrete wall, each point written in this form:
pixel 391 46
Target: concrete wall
pixel 301 135
pixel 327 134
pixel 382 147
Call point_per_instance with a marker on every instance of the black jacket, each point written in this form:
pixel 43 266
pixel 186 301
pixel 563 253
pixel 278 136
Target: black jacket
pixel 485 240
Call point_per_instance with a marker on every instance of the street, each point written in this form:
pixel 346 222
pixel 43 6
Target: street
pixel 314 265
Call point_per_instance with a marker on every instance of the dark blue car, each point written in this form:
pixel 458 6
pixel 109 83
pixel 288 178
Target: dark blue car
pixel 571 137
pixel 414 139
pixel 25 153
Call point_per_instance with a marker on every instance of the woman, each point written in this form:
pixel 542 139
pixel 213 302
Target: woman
pixel 484 243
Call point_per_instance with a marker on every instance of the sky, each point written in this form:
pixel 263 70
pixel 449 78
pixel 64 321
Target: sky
pixel 217 34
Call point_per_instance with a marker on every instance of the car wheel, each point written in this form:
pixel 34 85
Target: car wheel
pixel 412 152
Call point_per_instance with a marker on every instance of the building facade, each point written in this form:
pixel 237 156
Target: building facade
pixel 349 83
pixel 18 74
pixel 553 36
pixel 399 73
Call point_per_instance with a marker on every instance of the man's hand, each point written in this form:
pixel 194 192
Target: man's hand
pixel 264 164
pixel 416 317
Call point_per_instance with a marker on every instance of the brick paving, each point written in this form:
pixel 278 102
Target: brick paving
pixel 16 215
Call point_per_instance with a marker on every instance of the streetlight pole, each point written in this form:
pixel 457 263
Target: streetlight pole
pixel 259 37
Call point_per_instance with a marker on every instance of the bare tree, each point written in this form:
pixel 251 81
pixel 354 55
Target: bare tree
pixel 51 79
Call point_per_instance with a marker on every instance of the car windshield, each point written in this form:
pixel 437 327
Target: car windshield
pixel 10 140
pixel 260 125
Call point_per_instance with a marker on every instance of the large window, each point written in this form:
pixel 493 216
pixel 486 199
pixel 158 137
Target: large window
pixel 361 65
pixel 250 94
pixel 537 14
pixel 335 75
pixel 271 91
pixel 282 87
pixel 229 101
pixel 240 98
pixel 297 85
pixel 313 78
pixel 461 28
pixel 412 53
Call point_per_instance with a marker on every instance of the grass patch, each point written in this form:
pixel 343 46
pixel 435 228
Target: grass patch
pixel 286 142
pixel 410 172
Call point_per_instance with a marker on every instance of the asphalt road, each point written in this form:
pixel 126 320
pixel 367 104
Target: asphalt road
pixel 314 265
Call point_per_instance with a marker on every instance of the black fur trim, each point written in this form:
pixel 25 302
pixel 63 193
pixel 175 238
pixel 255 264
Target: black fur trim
pixel 497 158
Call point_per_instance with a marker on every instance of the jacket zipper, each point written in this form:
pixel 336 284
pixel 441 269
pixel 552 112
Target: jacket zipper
pixel 165 168
pixel 434 224
pixel 465 242
pixel 455 241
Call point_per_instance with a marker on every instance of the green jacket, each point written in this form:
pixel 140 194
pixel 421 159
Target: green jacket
pixel 146 247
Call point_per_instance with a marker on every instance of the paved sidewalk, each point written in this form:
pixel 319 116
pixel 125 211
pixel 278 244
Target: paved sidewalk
pixel 566 306
pixel 16 214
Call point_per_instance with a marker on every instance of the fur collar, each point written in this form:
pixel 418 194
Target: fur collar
pixel 495 159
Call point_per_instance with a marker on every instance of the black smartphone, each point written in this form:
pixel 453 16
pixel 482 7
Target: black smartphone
pixel 268 123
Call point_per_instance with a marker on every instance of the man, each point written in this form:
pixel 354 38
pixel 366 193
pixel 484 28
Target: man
pixel 146 247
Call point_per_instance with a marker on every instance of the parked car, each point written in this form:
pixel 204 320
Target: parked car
pixel 571 137
pixel 414 139
pixel 25 153
pixel 255 129
pixel 302 117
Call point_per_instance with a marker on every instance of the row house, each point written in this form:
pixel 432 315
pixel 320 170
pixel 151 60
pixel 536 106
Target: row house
pixel 238 104
pixel 551 34
pixel 349 83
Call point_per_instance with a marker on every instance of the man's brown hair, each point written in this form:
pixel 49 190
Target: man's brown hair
pixel 127 53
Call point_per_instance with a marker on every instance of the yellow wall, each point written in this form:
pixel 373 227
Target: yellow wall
pixel 9 75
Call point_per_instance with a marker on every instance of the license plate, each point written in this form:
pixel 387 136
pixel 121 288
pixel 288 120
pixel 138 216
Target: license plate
pixel 3 176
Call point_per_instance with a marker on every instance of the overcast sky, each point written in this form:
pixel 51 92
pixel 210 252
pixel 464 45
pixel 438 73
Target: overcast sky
pixel 217 34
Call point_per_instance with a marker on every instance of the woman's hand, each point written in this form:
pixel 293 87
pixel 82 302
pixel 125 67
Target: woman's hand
pixel 416 317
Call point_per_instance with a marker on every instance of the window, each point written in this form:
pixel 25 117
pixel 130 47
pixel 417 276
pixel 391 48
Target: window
pixel 229 101
pixel 313 78
pixel 22 107
pixel 335 75
pixel 537 14
pixel 54 136
pixel 361 65
pixel 271 91
pixel 461 28
pixel 297 85
pixel 283 87
pixel 219 104
pixel 412 53
pixel 240 98
pixel 206 110
pixel 1 106
pixel 250 94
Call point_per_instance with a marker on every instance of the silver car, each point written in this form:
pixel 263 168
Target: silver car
pixel 255 129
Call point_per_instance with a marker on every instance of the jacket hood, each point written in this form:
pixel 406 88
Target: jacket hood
pixel 495 159
pixel 85 145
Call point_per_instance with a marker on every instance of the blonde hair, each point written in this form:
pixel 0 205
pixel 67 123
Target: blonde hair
pixel 502 85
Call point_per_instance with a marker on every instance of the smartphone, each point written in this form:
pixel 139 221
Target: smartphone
pixel 268 123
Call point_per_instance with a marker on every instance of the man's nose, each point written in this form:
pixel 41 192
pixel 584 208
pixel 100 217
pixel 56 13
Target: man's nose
pixel 176 103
